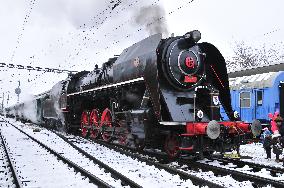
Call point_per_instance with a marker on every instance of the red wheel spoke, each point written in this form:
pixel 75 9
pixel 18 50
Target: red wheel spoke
pixel 94 123
pixel 106 122
pixel 172 146
pixel 122 139
pixel 84 124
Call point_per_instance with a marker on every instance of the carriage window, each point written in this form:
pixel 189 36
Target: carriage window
pixel 259 98
pixel 245 99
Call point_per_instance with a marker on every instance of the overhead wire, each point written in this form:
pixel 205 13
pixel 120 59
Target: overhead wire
pixel 37 68
pixel 87 32
pixel 115 42
pixel 127 36
pixel 20 36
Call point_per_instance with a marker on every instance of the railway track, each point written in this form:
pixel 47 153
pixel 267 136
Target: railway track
pixel 196 181
pixel 160 161
pixel 255 167
pixel 58 162
pixel 166 180
pixel 8 172
pixel 257 181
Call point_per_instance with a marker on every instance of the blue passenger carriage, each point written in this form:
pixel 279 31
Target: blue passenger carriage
pixel 254 96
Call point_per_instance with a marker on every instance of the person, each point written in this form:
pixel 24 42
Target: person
pixel 267 142
pixel 278 137
pixel 277 148
pixel 274 127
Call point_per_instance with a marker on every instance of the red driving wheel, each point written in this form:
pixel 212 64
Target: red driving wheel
pixel 172 146
pixel 106 122
pixel 94 124
pixel 84 124
pixel 122 139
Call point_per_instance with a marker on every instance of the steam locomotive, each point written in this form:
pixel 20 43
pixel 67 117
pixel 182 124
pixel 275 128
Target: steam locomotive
pixel 159 93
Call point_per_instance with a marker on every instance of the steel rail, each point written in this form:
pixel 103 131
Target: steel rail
pixel 124 179
pixel 240 176
pixel 17 180
pixel 195 180
pixel 257 180
pixel 273 170
pixel 95 180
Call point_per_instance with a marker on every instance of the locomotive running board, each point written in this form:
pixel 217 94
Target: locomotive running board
pixel 172 123
pixel 108 86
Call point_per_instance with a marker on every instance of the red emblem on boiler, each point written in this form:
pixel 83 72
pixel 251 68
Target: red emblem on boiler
pixel 189 62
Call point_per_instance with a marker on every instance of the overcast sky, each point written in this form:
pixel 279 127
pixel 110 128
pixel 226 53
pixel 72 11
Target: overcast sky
pixel 75 35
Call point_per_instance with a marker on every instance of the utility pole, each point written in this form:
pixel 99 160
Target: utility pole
pixel 3 103
pixel 8 99
pixel 18 91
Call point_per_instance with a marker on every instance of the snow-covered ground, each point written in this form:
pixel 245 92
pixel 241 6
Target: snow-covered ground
pixel 258 156
pixel 6 179
pixel 36 167
pixel 141 173
pixel 256 151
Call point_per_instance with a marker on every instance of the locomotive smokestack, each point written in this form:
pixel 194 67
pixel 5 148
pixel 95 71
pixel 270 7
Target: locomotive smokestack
pixel 194 35
pixel 153 17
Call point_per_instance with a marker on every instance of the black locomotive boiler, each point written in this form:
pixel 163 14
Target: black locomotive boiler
pixel 159 93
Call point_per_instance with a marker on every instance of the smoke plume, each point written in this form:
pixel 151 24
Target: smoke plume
pixel 153 18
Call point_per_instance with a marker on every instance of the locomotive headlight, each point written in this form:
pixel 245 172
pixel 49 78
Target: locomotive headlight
pixel 236 114
pixel 199 114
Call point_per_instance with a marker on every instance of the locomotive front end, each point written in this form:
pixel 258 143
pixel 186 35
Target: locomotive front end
pixel 183 65
pixel 194 83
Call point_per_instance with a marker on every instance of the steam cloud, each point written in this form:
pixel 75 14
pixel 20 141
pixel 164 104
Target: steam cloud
pixel 149 16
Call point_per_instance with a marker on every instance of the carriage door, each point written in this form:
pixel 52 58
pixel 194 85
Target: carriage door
pixel 281 98
pixel 245 106
pixel 258 104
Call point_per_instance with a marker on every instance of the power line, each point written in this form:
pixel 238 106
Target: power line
pixel 20 36
pixel 127 36
pixel 31 68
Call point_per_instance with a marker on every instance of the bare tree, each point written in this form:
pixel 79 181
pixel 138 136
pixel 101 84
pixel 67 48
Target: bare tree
pixel 246 56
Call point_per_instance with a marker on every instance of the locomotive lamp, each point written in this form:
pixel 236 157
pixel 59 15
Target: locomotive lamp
pixel 199 114
pixel 236 115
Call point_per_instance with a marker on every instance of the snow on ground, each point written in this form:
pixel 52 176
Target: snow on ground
pixel 123 160
pixel 51 140
pixel 143 174
pixel 246 169
pixel 36 167
pixel 149 176
pixel 257 152
pixel 140 172
pixel 226 181
pixel 5 171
